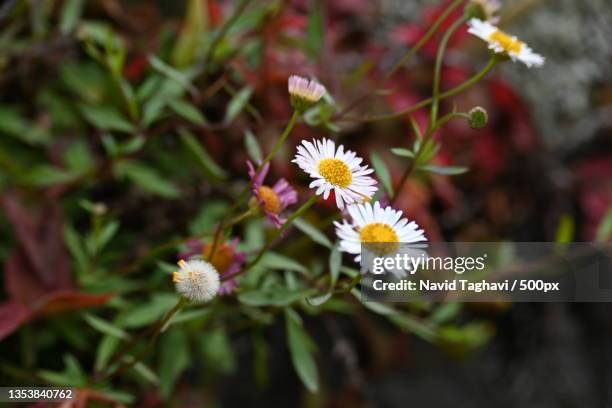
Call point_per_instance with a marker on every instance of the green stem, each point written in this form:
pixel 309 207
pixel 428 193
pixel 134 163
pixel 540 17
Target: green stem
pixel 435 104
pixel 281 140
pixel 432 30
pixel 245 192
pixel 448 117
pixel 279 232
pixel 159 328
pixel 426 102
pixel 404 59
pixel 247 214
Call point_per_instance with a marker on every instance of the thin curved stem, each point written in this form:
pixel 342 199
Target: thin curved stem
pixel 432 30
pixel 426 102
pixel 434 124
pixel 435 104
pixel 404 59
pixel 281 140
pixel 159 328
pixel 244 193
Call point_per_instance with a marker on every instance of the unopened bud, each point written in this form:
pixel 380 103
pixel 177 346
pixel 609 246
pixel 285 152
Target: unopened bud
pixel 99 209
pixel 485 10
pixel 478 118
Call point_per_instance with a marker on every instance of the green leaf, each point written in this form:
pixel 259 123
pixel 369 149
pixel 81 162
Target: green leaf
pixel 71 13
pixel 412 325
pixel 193 35
pixel 106 118
pixel 604 231
pixel 468 337
pixel 444 170
pixel 301 348
pixel 274 297
pixel 174 358
pixel 12 123
pixel 317 301
pixel 153 110
pixel 428 150
pixel 315 31
pixel 375 307
pixel 382 172
pixel 445 312
pixel 335 262
pixel 78 157
pixel 185 316
pixel 146 178
pixel 217 351
pixel 72 376
pixel 132 145
pixel 273 260
pixel 148 312
pixel 106 234
pixel 143 370
pixel 206 162
pixel 400 151
pixel 565 230
pixel 187 111
pixel 171 73
pixel 313 232
pixel 75 246
pixel 106 348
pixel 105 327
pixel 208 216
pixel 46 175
pixel 252 147
pixel 237 104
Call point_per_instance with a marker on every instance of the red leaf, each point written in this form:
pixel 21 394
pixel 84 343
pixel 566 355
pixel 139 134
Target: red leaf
pixel 40 235
pixel 12 315
pixel 66 301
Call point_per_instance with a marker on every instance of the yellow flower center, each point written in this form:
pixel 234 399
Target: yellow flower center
pixel 336 172
pixel 382 238
pixel 271 200
pixel 505 41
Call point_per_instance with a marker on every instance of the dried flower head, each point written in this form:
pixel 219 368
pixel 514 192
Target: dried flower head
pixel 335 169
pixel 503 43
pixel 196 280
pixel 227 259
pixel 304 93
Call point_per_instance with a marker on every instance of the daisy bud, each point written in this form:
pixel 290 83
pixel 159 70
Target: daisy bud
pixel 485 10
pixel 99 209
pixel 197 280
pixel 478 118
pixel 303 93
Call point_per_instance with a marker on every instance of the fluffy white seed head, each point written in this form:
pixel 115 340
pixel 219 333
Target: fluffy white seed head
pixel 197 280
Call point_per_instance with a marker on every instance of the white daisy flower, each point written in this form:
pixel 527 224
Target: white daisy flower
pixel 304 93
pixel 197 280
pixel 504 43
pixel 385 228
pixel 335 169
